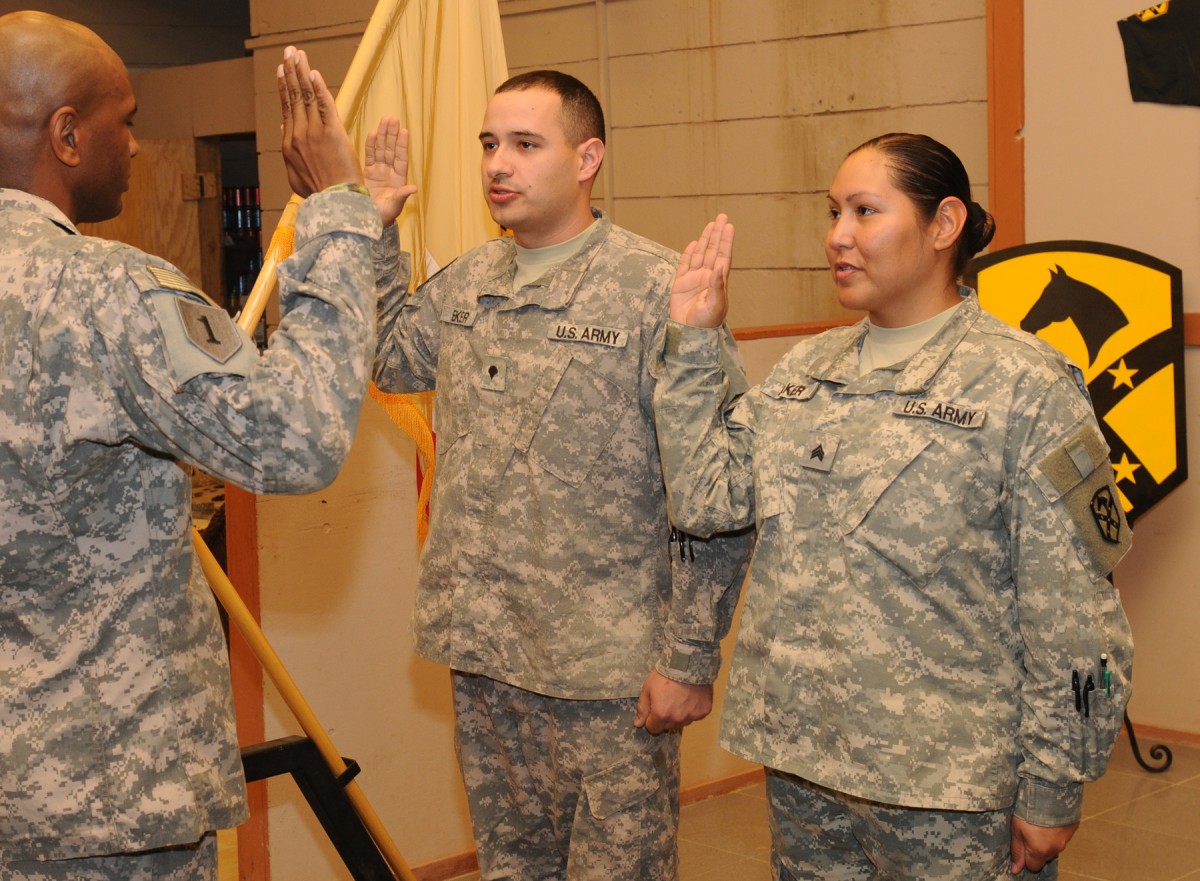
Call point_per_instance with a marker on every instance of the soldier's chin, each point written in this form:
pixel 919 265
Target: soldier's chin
pixel 100 213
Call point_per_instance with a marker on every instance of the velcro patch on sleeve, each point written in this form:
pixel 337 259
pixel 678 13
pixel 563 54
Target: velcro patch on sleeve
pixel 1078 477
pixel 1067 465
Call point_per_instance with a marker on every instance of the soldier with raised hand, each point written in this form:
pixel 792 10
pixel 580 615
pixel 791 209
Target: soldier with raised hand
pixel 931 661
pixel 118 754
pixel 582 632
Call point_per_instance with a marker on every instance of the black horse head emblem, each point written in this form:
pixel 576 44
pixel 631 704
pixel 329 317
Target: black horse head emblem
pixel 1094 313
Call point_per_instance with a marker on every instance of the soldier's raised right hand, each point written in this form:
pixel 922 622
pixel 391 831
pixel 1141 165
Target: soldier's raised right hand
pixel 316 149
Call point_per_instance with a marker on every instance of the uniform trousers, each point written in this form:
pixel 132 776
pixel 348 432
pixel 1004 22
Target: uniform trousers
pixel 196 862
pixel 565 790
pixel 818 834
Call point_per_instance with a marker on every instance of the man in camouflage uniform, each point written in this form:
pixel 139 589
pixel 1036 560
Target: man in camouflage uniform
pixel 927 623
pixel 118 752
pixel 580 637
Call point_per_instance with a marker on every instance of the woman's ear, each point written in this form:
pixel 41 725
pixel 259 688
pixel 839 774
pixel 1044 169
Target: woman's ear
pixel 948 222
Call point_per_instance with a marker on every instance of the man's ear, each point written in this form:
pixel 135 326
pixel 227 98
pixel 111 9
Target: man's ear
pixel 591 155
pixel 64 135
pixel 948 222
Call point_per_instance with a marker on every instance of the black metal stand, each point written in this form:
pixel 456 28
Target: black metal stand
pixel 326 795
pixel 1157 752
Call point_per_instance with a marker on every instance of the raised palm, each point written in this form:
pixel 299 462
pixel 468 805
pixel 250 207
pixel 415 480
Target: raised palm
pixel 385 168
pixel 698 294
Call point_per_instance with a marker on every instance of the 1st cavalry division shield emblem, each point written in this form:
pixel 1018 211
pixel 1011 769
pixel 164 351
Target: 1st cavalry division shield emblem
pixel 1118 314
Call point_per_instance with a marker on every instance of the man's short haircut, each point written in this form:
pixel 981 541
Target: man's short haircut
pixel 582 117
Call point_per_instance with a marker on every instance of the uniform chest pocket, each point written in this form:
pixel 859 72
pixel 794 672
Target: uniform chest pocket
pixel 782 485
pixel 583 411
pixel 918 503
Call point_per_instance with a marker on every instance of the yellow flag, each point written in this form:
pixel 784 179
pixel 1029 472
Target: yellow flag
pixel 435 64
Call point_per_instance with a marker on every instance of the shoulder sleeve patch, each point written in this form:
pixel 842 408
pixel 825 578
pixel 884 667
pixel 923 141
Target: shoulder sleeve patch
pixel 1077 478
pixel 201 338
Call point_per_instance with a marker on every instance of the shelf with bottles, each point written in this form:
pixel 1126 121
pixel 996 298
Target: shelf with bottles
pixel 242 240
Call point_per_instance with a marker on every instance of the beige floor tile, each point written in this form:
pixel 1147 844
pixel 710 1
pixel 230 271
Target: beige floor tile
pixel 744 870
pixel 735 823
pixel 1185 760
pixel 1117 788
pixel 1112 852
pixel 1174 811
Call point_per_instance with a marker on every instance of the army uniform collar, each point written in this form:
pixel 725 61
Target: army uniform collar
pixel 556 289
pixel 19 199
pixel 838 361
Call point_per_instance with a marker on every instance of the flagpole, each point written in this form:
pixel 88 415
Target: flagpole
pixel 280 247
pixel 350 101
pixel 243 619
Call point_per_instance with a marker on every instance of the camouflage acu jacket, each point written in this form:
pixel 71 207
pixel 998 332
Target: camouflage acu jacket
pixel 549 563
pixel 116 720
pixel 927 612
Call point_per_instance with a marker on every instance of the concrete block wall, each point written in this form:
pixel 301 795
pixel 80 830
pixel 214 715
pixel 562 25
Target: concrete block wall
pixel 748 107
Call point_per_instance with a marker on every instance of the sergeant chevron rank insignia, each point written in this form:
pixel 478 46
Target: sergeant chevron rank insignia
pixel 819 451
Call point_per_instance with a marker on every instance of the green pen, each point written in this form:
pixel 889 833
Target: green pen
pixel 1107 673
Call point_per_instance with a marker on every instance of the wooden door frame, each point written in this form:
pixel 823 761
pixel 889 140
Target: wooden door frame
pixel 1006 120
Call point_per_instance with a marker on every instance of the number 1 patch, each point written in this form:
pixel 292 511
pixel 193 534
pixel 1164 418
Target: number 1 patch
pixel 200 337
pixel 210 329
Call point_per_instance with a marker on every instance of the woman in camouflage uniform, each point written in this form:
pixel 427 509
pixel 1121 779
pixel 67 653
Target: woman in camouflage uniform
pixel 931 661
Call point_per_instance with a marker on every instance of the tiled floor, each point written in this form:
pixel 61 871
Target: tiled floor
pixel 1137 826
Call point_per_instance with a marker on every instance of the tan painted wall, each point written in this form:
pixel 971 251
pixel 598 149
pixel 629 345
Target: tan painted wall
pixel 151 33
pixel 1101 167
pixel 745 106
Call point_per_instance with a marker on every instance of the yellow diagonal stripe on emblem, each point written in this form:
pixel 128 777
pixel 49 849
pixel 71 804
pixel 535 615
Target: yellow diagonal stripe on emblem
pixel 1137 419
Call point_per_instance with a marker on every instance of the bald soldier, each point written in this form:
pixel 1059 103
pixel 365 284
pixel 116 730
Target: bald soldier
pixel 118 754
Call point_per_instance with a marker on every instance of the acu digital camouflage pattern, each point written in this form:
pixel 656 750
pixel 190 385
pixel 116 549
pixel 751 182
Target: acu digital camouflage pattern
pixel 566 789
pixel 549 564
pixel 930 568
pixel 181 863
pixel 116 721
pixel 863 840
